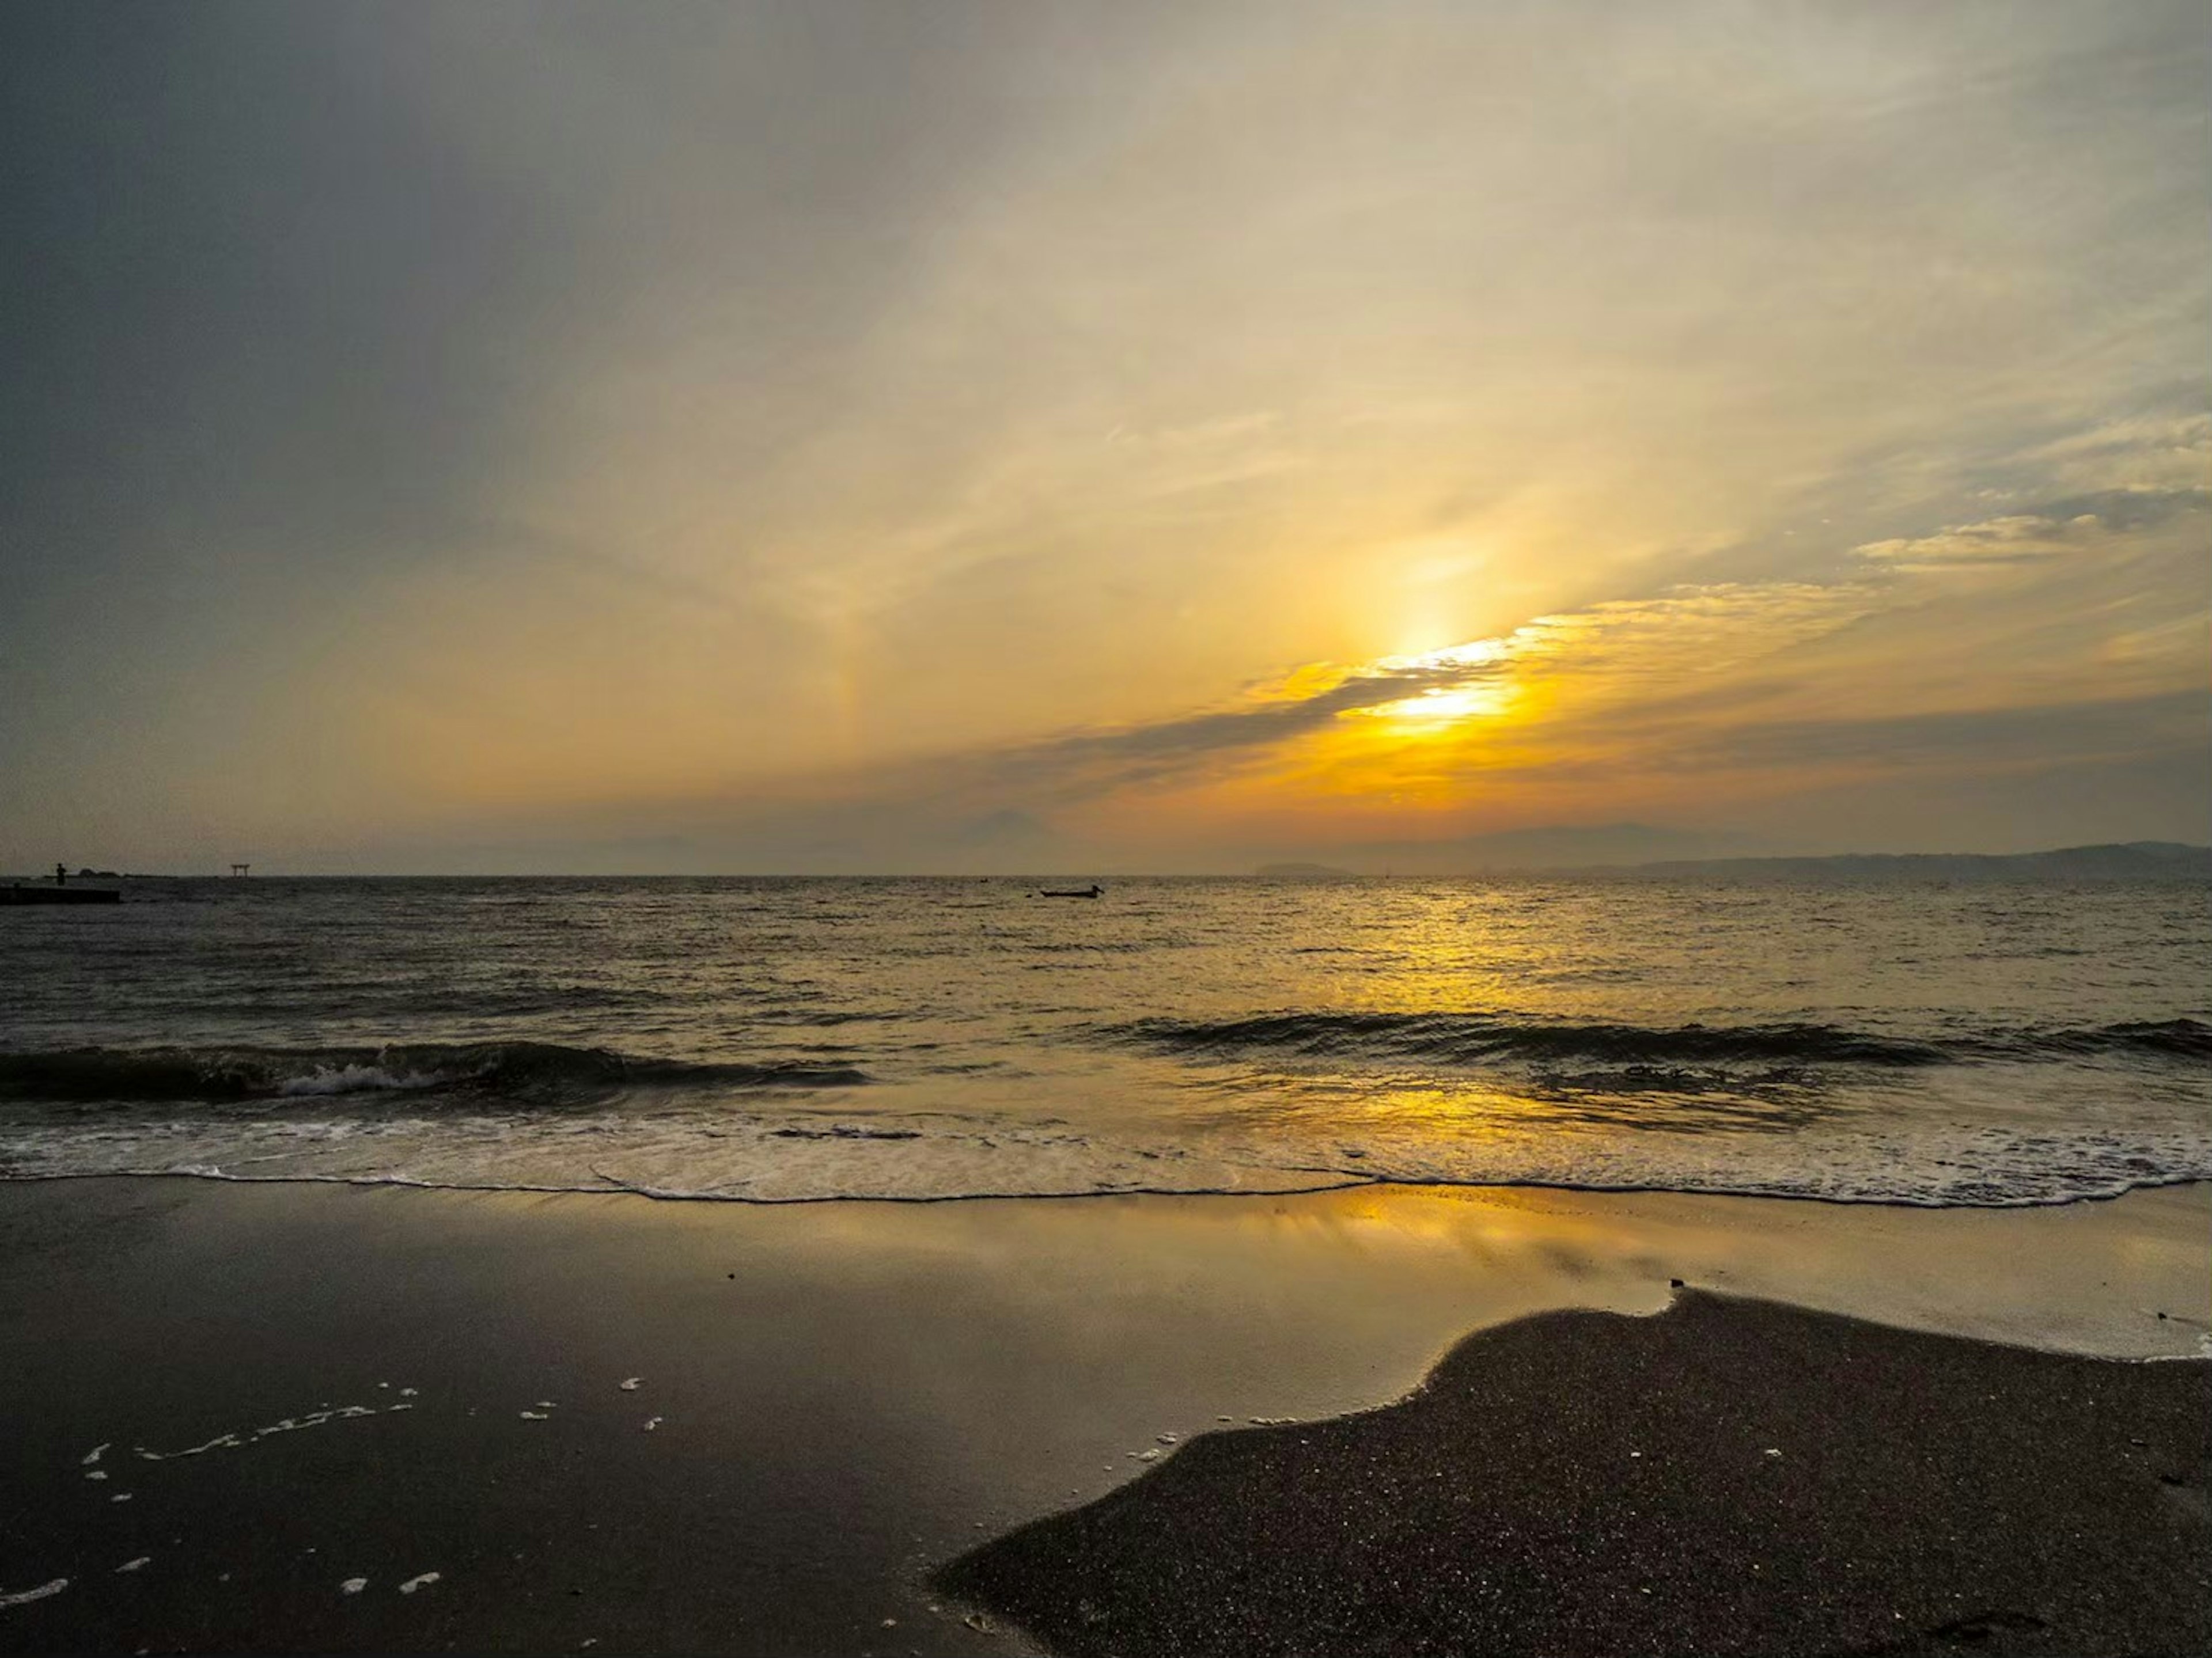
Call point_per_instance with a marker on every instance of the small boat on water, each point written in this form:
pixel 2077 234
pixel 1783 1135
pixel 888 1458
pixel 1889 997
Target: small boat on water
pixel 1093 890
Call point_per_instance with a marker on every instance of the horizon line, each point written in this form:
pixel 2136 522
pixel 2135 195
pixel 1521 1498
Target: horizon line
pixel 1260 872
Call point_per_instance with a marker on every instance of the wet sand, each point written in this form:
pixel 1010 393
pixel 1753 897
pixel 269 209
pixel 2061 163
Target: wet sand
pixel 846 1397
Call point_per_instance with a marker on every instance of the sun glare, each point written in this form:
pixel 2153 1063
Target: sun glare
pixel 1475 653
pixel 1448 706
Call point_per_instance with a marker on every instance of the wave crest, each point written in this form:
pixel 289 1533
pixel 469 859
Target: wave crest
pixel 543 1072
pixel 1490 1038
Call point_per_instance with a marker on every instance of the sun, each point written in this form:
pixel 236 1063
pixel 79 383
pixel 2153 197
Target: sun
pixel 1448 705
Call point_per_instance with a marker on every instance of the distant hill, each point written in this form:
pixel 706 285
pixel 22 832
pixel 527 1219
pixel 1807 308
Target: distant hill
pixel 2132 860
pixel 1304 872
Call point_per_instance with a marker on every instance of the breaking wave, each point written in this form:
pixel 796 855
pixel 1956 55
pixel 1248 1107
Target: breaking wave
pixel 1486 1038
pixel 541 1073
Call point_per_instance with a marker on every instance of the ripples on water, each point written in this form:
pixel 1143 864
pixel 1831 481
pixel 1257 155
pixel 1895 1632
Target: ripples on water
pixel 768 1040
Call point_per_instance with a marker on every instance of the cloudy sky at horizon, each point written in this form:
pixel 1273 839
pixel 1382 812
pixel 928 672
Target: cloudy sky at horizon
pixel 867 436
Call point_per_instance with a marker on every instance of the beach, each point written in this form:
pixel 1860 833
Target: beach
pixel 315 1416
pixel 1105 830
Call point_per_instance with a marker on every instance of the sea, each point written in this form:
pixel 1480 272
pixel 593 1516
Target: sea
pixel 783 1041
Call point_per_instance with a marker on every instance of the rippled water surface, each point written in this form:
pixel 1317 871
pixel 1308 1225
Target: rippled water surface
pixel 765 1040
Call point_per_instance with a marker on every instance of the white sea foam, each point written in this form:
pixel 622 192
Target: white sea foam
pixel 1936 1164
pixel 421 1580
pixel 24 1597
pixel 220 1442
pixel 239 1438
pixel 356 1079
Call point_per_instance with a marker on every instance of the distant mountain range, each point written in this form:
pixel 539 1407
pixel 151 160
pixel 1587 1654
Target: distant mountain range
pixel 2131 861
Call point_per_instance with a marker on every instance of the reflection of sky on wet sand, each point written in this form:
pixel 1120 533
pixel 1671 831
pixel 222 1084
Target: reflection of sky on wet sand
pixel 1159 1315
pixel 851 1392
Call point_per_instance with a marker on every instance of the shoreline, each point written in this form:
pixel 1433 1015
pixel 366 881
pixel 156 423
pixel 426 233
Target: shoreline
pixel 849 1394
pixel 615 1188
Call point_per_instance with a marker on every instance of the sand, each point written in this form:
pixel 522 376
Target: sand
pixel 844 1398
pixel 1728 1477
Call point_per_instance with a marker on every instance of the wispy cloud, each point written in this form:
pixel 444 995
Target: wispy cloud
pixel 2056 530
pixel 2168 453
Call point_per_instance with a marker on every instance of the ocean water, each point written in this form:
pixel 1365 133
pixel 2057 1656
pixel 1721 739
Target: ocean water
pixel 788 1040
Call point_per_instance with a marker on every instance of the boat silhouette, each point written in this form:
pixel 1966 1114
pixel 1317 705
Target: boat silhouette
pixel 1091 891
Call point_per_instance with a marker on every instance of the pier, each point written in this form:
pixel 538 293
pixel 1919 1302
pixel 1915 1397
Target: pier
pixel 61 892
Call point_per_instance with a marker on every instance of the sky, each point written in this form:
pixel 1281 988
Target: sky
pixel 834 436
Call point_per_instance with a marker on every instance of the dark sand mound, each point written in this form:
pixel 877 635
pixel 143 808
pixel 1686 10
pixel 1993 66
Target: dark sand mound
pixel 1729 1477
